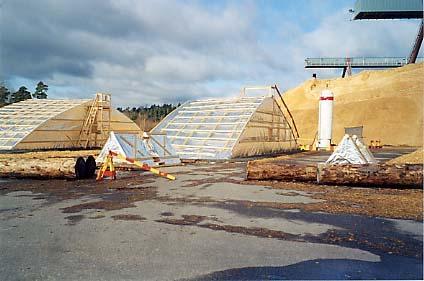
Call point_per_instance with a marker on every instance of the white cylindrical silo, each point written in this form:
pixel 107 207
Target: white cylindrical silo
pixel 325 119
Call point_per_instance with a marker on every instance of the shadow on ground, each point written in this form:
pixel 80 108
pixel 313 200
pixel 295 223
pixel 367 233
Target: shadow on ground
pixel 377 235
pixel 326 269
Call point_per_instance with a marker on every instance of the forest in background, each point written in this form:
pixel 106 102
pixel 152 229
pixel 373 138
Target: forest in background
pixel 9 97
pixel 146 117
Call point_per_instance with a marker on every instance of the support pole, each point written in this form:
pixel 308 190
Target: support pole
pixel 417 45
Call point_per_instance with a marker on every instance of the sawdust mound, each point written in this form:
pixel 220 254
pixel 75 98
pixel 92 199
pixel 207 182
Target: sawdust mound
pixel 388 103
pixel 415 157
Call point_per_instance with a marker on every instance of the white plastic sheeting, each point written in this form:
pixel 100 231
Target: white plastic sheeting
pixel 141 149
pixel 217 129
pixel 19 119
pixel 351 151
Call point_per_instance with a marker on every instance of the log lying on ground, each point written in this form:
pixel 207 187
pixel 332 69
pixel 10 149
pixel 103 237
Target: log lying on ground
pixel 47 164
pixel 38 168
pixel 405 175
pixel 372 175
pixel 260 170
pixel 48 154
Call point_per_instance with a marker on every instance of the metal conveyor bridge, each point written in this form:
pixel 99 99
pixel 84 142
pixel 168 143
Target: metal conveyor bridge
pixel 359 62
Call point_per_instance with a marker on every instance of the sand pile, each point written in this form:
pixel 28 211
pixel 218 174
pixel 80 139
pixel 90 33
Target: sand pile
pixel 415 157
pixel 388 103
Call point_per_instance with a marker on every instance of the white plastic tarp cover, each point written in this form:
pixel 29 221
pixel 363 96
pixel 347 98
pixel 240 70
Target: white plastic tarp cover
pixel 19 119
pixel 208 129
pixel 144 150
pixel 351 151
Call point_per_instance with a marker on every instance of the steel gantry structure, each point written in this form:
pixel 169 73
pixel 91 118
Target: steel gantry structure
pixel 378 10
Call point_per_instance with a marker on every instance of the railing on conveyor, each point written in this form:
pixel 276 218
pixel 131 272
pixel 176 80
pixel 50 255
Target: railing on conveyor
pixel 358 62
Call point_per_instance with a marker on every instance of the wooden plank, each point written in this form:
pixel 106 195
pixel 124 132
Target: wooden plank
pixel 228 104
pixel 213 116
pixel 201 130
pixel 264 112
pixel 263 140
pixel 215 110
pixel 266 127
pixel 208 123
pixel 200 146
pixel 200 138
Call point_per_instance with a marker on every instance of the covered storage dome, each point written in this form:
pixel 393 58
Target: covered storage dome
pixel 47 123
pixel 228 128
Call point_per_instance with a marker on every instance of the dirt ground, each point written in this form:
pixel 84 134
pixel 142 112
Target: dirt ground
pixel 415 157
pixel 374 202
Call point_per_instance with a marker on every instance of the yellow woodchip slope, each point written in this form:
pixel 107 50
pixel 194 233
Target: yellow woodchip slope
pixel 388 103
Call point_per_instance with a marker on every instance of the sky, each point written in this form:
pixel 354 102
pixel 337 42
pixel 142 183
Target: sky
pixel 145 52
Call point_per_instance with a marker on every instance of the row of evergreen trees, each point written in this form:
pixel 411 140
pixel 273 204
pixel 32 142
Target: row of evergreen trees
pixel 153 112
pixel 6 97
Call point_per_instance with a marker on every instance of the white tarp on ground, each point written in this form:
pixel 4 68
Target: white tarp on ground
pixel 351 151
pixel 154 151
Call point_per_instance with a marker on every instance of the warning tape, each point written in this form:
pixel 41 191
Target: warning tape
pixel 143 166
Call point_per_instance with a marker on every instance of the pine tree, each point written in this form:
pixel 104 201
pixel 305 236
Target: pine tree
pixel 40 91
pixel 21 94
pixel 4 95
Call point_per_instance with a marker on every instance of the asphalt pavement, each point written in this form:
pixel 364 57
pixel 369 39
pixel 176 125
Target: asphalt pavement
pixel 203 226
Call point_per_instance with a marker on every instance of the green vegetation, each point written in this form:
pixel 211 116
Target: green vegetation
pixel 153 112
pixel 4 95
pixel 40 91
pixel 20 95
pixel 8 97
pixel 147 117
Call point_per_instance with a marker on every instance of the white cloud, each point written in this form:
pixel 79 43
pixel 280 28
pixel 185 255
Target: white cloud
pixel 337 36
pixel 167 51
